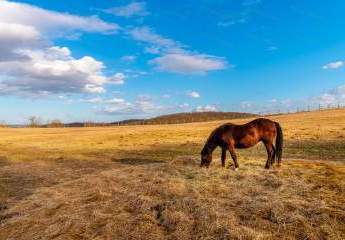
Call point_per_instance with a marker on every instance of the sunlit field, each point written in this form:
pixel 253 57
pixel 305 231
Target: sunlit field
pixel 144 182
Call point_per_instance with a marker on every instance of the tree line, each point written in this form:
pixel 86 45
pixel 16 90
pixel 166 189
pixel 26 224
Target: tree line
pixel 37 122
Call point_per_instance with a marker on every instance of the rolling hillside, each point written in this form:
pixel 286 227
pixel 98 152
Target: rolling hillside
pixel 186 118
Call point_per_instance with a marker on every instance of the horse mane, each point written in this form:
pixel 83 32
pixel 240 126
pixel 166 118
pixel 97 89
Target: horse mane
pixel 210 145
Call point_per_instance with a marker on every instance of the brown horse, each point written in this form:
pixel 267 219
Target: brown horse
pixel 230 136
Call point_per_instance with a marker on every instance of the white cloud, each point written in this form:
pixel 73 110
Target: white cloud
pixel 207 108
pixel 91 88
pixel 16 36
pixel 146 106
pixel 333 96
pixel 142 105
pixel 130 10
pixel 54 70
pixel 117 79
pixel 121 108
pixel 193 94
pixel 56 52
pixel 99 100
pixel 188 63
pixel 158 43
pixel 242 16
pixel 231 22
pixel 115 100
pixel 246 104
pixel 184 106
pixel 17 32
pixel 152 50
pixel 50 21
pixel 333 65
pixel 327 98
pixel 94 100
pixel 174 57
pixel 129 58
pixel 31 65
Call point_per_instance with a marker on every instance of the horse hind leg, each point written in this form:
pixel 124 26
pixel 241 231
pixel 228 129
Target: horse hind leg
pixel 273 159
pixel 234 157
pixel 223 156
pixel 270 154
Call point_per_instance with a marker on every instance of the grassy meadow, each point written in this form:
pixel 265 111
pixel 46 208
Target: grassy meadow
pixel 144 182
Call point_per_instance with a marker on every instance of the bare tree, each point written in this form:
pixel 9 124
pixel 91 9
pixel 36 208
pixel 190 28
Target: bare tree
pixel 3 124
pixel 55 124
pixel 34 122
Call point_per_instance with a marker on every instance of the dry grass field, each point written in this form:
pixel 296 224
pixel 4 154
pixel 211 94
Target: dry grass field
pixel 144 182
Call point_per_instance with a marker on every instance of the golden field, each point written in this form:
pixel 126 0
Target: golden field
pixel 144 182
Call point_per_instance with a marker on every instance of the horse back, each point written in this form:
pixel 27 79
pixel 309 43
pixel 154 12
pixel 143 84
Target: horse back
pixel 249 134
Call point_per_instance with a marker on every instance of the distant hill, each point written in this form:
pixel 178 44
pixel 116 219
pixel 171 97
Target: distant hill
pixel 164 119
pixel 186 118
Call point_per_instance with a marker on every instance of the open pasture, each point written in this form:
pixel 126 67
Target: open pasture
pixel 144 182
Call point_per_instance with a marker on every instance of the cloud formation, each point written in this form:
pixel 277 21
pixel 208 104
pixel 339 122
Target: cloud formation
pixel 332 98
pixel 31 65
pixel 16 36
pixel 232 22
pixel 188 63
pixel 129 58
pixel 241 16
pixel 142 105
pixel 130 10
pixel 99 100
pixel 207 108
pixel 157 42
pixel 54 70
pixel 333 65
pixel 193 94
pixel 174 57
pixel 50 21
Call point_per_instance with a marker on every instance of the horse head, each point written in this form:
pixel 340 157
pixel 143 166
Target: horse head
pixel 206 158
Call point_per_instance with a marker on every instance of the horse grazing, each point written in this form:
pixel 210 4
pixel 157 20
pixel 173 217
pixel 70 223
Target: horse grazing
pixel 230 136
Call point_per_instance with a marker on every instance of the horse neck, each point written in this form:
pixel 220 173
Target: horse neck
pixel 209 147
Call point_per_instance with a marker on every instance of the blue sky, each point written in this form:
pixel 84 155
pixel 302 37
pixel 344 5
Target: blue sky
pixel 112 60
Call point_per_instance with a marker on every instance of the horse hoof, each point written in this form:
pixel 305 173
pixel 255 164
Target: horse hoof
pixel 236 169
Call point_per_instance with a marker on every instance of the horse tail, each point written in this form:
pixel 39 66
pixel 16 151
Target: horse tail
pixel 279 143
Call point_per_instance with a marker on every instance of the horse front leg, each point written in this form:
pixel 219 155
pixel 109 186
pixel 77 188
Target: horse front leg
pixel 223 156
pixel 270 154
pixel 234 157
